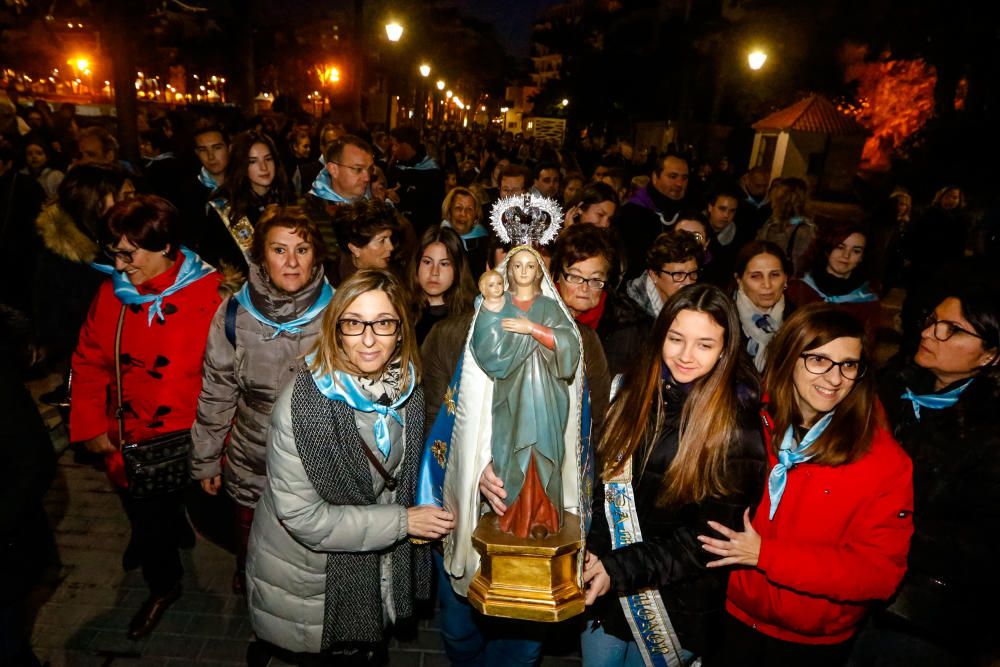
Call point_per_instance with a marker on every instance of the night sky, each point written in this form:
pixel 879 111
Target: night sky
pixel 511 19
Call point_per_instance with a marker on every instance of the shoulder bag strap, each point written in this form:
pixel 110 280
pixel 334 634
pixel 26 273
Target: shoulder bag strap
pixel 390 481
pixel 119 410
pixel 230 323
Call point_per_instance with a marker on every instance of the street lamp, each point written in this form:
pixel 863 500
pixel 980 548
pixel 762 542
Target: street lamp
pixel 756 59
pixel 440 84
pixel 449 94
pixel 565 102
pixel 393 30
pixel 425 70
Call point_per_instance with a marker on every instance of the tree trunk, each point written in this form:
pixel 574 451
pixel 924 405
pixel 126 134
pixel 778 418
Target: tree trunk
pixel 244 79
pixel 122 22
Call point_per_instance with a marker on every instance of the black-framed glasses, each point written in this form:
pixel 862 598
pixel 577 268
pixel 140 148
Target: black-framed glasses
pixel 681 276
pixel 350 327
pixel 817 364
pixel 357 171
pixel 595 284
pixel 945 329
pixel 125 256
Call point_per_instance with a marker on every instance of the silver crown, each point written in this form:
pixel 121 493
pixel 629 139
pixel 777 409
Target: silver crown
pixel 527 219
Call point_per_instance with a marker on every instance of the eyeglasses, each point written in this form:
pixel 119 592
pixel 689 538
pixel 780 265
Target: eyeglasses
pixel 593 283
pixel 357 171
pixel 348 327
pixel 124 255
pixel 945 329
pixel 681 276
pixel 817 364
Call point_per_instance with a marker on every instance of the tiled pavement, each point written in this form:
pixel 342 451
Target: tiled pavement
pixel 85 605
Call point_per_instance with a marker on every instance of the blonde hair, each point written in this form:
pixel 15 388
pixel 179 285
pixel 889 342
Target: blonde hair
pixel 486 274
pixel 464 192
pixel 328 351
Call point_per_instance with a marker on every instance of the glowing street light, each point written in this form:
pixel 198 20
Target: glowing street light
pixel 82 64
pixel 565 102
pixel 756 59
pixel 425 70
pixel 393 30
pixel 440 84
pixel 449 94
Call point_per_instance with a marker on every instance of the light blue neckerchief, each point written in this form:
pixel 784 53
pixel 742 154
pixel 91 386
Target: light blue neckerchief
pixel 294 326
pixel 477 232
pixel 322 187
pixel 861 294
pixel 206 179
pixel 426 164
pixel 340 386
pixel 193 269
pixel 789 457
pixel 935 401
pixel 796 220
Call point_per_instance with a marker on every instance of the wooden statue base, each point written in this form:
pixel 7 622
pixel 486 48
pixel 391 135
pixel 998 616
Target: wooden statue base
pixel 527 579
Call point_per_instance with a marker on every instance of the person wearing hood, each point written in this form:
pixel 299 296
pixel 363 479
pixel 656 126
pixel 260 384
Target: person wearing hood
pixel 419 179
pixel 255 341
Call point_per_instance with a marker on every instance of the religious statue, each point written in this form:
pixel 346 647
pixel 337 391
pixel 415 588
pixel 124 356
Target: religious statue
pixel 519 408
pixel 530 349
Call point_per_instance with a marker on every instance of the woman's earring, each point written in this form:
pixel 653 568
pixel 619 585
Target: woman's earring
pixel 164 253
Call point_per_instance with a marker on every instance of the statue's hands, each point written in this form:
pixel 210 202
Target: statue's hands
pixel 428 522
pixel 595 578
pixel 518 324
pixel 491 487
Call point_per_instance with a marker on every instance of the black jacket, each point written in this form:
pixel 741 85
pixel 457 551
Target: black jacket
pixel 29 461
pixel 670 556
pixel 956 488
pixel 622 329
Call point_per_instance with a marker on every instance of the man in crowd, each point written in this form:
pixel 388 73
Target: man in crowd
pixel 344 180
pixel 547 180
pixel 514 180
pixel 727 236
pixel 211 146
pixel 755 207
pixel 653 209
pixel 417 176
pixel 94 144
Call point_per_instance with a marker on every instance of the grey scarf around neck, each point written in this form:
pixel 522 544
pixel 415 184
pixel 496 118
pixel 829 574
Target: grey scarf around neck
pixel 329 445
pixel 278 305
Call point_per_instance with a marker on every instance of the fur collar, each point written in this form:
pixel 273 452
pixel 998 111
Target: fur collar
pixel 61 236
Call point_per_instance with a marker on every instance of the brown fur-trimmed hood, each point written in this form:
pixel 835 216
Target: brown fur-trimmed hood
pixel 61 236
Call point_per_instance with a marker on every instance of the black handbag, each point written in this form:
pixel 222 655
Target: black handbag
pixel 156 466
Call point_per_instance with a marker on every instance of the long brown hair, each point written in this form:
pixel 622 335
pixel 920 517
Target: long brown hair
pixel 458 298
pixel 709 418
pixel 849 433
pixel 329 350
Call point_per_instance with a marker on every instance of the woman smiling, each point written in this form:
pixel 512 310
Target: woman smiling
pixel 833 527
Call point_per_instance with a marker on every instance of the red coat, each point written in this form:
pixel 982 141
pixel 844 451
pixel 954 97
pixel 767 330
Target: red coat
pixel 839 539
pixel 161 363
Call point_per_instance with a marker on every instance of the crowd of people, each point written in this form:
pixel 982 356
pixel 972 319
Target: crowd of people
pixel 293 299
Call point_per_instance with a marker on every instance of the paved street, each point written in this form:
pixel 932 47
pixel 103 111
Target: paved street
pixel 85 606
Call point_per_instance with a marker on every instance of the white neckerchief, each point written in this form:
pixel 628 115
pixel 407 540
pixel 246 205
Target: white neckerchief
pixel 747 310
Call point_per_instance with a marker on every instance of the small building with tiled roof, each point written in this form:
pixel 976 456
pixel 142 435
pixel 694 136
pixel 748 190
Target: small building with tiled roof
pixel 810 139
